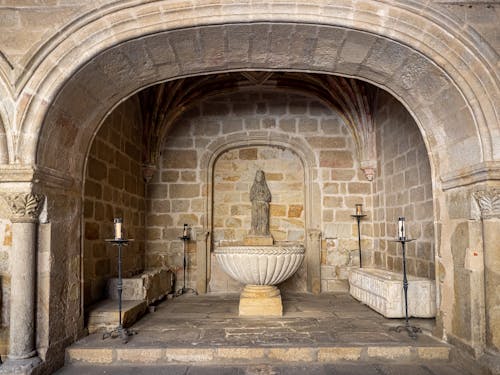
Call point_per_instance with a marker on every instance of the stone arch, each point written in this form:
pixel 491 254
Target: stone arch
pixel 361 53
pixel 78 118
pixel 312 197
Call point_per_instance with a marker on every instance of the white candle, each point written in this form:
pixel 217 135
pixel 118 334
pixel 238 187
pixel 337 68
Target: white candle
pixel 185 231
pixel 401 228
pixel 118 228
pixel 359 211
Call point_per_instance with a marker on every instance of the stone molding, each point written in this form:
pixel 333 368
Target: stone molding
pixel 489 202
pixel 24 206
pixel 11 173
pixel 481 172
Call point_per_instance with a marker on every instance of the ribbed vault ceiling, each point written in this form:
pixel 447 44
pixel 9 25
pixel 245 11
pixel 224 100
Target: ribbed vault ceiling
pixel 354 100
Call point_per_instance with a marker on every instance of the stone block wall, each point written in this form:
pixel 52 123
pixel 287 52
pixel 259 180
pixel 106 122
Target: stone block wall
pixel 234 174
pixel 114 187
pixel 402 188
pixel 177 192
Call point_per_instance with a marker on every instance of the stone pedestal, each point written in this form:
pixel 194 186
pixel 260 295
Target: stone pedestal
pixel 261 300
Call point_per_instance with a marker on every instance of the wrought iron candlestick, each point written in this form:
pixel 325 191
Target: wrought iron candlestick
pixel 185 238
pixel 412 330
pixel 358 215
pixel 118 241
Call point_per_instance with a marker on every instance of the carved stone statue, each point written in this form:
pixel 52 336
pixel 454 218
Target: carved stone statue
pixel 260 196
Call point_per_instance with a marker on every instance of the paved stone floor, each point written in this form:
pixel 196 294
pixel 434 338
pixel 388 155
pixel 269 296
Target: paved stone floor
pixel 311 332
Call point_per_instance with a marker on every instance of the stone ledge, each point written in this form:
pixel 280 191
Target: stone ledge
pixel 242 355
pixel 103 316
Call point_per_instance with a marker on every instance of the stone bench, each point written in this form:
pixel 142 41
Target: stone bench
pixel 382 290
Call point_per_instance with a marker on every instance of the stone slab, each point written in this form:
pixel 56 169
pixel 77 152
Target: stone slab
pixel 151 286
pixel 104 315
pixel 382 291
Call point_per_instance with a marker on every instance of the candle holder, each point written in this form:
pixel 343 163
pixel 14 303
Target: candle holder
pixel 411 330
pixel 118 241
pixel 185 238
pixel 359 215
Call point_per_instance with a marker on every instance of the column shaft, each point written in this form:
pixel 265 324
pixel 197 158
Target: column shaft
pixel 22 300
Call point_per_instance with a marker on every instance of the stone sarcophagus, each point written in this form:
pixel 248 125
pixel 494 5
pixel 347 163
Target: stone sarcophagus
pixel 382 290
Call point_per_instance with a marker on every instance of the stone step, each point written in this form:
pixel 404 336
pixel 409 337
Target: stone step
pixel 127 354
pixel 104 315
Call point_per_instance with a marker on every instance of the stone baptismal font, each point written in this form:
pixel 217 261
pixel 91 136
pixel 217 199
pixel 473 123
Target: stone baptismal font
pixel 259 263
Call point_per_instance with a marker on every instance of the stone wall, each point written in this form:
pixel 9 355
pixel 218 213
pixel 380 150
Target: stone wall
pixel 234 173
pixel 113 188
pixel 402 188
pixel 177 193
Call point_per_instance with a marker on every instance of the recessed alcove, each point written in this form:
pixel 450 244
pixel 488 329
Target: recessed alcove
pixel 207 157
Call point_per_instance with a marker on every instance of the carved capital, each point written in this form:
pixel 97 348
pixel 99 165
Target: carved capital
pixel 488 202
pixel 24 205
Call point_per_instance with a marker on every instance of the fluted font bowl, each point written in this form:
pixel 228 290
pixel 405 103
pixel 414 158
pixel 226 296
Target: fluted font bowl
pixel 260 265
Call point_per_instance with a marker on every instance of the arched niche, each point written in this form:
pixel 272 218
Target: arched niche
pixel 311 199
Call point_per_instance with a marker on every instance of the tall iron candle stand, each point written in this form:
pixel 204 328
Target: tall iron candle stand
pixel 358 215
pixel 185 238
pixel 412 330
pixel 119 241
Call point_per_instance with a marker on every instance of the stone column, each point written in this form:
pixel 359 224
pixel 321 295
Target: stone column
pixel 489 203
pixel 25 208
pixel 313 258
pixel 202 260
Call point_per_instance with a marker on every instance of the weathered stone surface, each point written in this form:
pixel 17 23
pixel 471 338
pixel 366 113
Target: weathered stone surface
pixel 150 286
pixel 338 354
pixel 101 356
pixel 390 353
pixel 179 159
pixel 382 291
pixel 260 301
pixel 104 316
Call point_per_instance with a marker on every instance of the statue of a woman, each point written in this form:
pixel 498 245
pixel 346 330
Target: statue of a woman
pixel 260 196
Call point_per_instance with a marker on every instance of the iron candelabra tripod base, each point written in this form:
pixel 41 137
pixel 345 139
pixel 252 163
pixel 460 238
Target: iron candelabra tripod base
pixel 119 332
pixel 185 290
pixel 411 330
